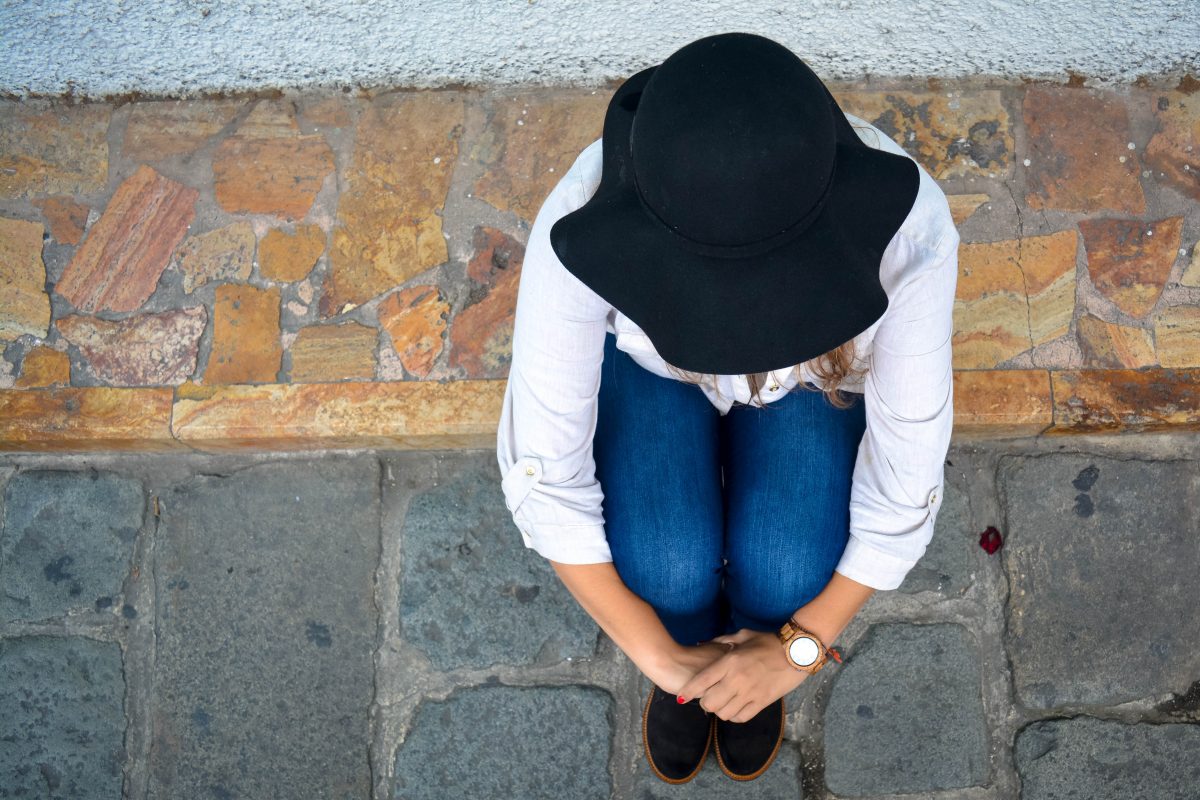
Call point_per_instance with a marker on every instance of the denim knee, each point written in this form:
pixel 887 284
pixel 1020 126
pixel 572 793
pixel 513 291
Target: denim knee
pixel 673 584
pixel 788 510
pixel 765 604
pixel 655 450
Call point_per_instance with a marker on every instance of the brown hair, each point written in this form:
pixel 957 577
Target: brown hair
pixel 832 368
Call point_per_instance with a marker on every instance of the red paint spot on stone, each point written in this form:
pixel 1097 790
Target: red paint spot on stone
pixel 990 540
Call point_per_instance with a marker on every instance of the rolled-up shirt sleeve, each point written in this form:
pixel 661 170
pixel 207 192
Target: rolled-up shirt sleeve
pixel 908 394
pixel 548 417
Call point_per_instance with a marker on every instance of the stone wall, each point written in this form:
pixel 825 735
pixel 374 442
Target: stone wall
pixel 334 269
pixel 96 48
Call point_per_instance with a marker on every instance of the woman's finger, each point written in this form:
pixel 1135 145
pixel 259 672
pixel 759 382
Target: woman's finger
pixel 736 638
pixel 726 706
pixel 702 680
pixel 717 697
pixel 747 712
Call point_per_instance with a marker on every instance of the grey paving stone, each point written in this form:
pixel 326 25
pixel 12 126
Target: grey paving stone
pixel 949 560
pixel 781 780
pixel 906 714
pixel 266 626
pixel 504 741
pixel 471 593
pixel 1101 557
pixel 66 542
pixel 1084 757
pixel 62 718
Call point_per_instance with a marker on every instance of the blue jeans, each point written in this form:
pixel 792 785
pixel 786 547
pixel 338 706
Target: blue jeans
pixel 721 522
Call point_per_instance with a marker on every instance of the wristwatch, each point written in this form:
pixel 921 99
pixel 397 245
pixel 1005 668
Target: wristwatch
pixel 804 649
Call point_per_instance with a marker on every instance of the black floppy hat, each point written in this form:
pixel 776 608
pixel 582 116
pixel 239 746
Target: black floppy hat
pixel 739 220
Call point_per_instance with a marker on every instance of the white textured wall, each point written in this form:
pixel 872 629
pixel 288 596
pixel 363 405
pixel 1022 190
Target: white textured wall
pixel 184 47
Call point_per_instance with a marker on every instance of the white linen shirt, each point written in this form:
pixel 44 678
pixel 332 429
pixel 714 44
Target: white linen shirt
pixel 548 418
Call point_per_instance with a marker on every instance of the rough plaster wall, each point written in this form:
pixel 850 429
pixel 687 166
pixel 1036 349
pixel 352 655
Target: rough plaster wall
pixel 187 47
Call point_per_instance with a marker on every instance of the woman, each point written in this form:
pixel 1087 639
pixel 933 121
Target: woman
pixel 730 232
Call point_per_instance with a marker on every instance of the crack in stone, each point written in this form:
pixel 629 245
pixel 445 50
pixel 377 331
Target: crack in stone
pixel 382 471
pixel 1021 268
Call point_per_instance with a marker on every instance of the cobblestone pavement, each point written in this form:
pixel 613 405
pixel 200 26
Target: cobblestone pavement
pixel 354 624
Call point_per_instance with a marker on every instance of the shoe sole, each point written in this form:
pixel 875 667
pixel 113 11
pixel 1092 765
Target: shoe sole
pixel 650 759
pixel 770 759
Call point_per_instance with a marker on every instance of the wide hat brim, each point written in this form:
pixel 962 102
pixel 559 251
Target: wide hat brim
pixel 768 311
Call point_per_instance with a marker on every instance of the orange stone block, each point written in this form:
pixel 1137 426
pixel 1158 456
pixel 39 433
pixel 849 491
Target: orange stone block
pixel 158 130
pixel 991 322
pixel 962 206
pixel 288 257
pixel 1074 171
pixel 226 254
pixel 1002 402
pixel 44 366
pixel 326 353
pixel 531 140
pixel 86 419
pixel 1012 295
pixel 1174 149
pixel 245 344
pixel 1177 335
pixel 1113 399
pixel 65 217
pixel 140 350
pixel 389 214
pixel 1048 264
pixel 481 333
pixel 410 415
pixel 269 167
pixel 118 265
pixel 1110 346
pixel 1129 260
pixel 24 304
pixel 328 110
pixel 415 321
pixel 53 148
pixel 950 134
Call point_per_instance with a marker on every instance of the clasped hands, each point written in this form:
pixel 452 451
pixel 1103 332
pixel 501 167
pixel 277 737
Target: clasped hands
pixel 735 683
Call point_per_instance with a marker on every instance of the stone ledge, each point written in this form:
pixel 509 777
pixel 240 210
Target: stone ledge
pixel 419 415
pixel 1149 399
pixel 86 418
pixel 408 415
pixel 1002 402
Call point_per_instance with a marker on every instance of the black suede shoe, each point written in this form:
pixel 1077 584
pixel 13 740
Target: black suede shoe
pixel 676 735
pixel 745 749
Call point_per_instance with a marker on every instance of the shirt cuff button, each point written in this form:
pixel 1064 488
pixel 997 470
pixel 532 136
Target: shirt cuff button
pixel 529 470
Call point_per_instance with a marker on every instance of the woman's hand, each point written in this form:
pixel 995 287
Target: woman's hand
pixel 682 663
pixel 744 680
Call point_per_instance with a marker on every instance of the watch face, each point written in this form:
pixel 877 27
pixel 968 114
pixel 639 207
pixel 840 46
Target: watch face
pixel 804 651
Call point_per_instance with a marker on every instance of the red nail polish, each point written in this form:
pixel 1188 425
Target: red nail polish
pixel 679 699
